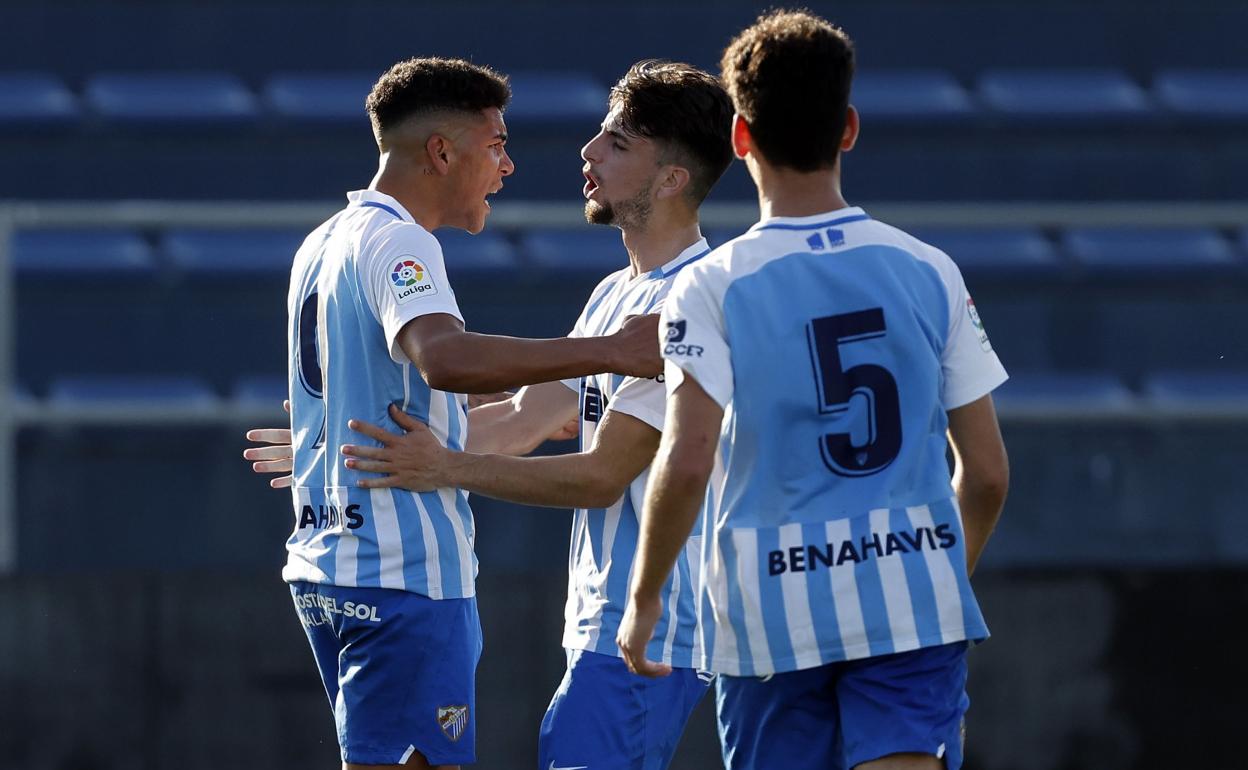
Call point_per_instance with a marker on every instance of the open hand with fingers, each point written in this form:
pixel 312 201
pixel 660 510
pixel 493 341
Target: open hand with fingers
pixel 278 458
pixel 412 460
pixel 637 347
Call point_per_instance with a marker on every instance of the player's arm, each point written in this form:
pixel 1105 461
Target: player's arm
pixel 623 446
pixel 981 474
pixel 278 457
pixel 674 496
pixel 452 359
pixel 517 425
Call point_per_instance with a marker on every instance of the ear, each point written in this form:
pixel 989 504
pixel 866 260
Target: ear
pixel 672 182
pixel 742 142
pixel 850 136
pixel 438 153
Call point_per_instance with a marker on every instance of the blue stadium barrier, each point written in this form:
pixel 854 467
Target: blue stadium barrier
pixel 556 97
pixel 1099 391
pixel 485 251
pixel 1206 94
pixel 1151 251
pixel 172 391
pixel 35 99
pixel 171 98
pixel 70 255
pixel 231 252
pixel 1086 95
pixel 919 96
pixel 1206 389
pixel 325 98
pixel 260 391
pixel 588 250
pixel 1014 252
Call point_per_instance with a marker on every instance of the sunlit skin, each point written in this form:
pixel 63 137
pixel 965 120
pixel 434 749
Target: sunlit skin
pixel 442 166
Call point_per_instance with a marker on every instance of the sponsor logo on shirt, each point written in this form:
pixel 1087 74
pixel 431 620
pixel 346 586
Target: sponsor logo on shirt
pixel 808 558
pixel 453 720
pixel 979 325
pixel 315 610
pixel 409 279
pixel 328 516
pixel 676 346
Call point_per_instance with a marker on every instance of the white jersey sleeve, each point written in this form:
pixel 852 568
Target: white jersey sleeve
pixel 969 365
pixel 692 332
pixel 404 277
pixel 643 398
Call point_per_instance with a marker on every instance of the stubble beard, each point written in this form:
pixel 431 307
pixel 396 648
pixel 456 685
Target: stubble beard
pixel 633 213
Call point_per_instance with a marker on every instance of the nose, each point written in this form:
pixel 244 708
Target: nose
pixel 589 151
pixel 507 167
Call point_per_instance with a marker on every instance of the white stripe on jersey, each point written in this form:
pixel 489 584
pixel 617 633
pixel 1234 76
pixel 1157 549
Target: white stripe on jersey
pixel 433 559
pixel 390 541
pixel 845 591
pixel 801 626
pixel 346 565
pixel 896 589
pixel 745 543
pixel 450 500
pixel 673 596
pixel 439 420
pixel 944 580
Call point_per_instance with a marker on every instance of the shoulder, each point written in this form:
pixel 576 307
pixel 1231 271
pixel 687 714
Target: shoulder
pixel 921 251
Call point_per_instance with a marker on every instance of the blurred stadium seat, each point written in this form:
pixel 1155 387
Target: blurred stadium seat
pixel 591 249
pixel 1068 95
pixel 919 96
pixel 1151 251
pixel 183 392
pixel 1014 252
pixel 260 391
pixel 1210 94
pixel 227 253
pixel 538 97
pixel 489 250
pixel 1088 392
pixel 170 98
pixel 35 99
pixel 332 97
pixel 70 254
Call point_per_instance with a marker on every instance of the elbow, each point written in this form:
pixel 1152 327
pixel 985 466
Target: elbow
pixel 689 474
pixel 990 486
pixel 603 491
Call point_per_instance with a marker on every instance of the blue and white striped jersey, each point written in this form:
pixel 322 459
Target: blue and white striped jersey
pixel 604 540
pixel 835 344
pixel 356 281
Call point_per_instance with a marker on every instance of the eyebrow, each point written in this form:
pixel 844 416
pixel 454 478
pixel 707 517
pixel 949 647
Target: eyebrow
pixel 617 134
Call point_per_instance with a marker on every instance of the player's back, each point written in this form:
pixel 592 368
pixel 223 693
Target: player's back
pixel 347 282
pixel 833 531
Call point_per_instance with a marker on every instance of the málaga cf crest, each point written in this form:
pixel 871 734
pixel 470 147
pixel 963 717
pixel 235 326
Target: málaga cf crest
pixel 453 720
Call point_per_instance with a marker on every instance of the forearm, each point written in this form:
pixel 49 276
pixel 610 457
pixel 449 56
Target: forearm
pixel 981 509
pixel 673 501
pixel 496 429
pixel 484 363
pixel 563 481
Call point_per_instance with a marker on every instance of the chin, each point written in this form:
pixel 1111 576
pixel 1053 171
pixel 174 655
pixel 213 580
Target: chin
pixel 598 214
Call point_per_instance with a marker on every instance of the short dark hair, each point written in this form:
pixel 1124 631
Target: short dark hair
pixel 416 86
pixel 789 77
pixel 683 108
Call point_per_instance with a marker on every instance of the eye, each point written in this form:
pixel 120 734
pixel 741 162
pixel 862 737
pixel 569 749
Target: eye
pixel 616 144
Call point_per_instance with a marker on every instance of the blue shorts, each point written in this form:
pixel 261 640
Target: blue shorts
pixel 399 669
pixel 846 713
pixel 604 717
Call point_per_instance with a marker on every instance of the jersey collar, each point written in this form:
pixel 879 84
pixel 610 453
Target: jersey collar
pixel 381 201
pixel 692 254
pixel 827 219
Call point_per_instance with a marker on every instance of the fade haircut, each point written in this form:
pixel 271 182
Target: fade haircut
pixel 418 86
pixel 687 111
pixel 789 77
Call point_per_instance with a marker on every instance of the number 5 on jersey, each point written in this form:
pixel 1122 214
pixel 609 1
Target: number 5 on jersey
pixel 860 452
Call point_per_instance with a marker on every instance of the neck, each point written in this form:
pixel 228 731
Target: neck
pixel 784 192
pixel 660 241
pixel 412 189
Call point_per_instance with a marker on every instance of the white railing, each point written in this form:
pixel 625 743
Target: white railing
pixel 159 214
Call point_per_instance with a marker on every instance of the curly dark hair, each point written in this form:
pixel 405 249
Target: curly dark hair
pixel 686 110
pixel 789 77
pixel 414 86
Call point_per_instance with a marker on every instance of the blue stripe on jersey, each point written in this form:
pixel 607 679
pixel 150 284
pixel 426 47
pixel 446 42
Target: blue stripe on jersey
pixel 812 226
pixel 595 525
pixel 595 301
pixel 736 607
pixel 453 414
pixel 682 655
pixel 870 587
pixel 919 581
pixel 822 602
pixel 771 599
pixel 416 556
pixel 383 207
pixel 677 269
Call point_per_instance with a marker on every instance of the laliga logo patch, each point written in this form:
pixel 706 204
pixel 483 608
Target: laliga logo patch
pixel 410 279
pixel 453 720
pixel 979 325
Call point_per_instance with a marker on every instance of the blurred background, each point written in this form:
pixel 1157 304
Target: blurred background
pixel 1085 163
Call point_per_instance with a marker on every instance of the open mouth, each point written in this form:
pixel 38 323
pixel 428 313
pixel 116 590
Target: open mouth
pixel 591 184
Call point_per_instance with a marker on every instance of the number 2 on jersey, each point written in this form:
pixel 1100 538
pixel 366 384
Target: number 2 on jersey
pixel 861 452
